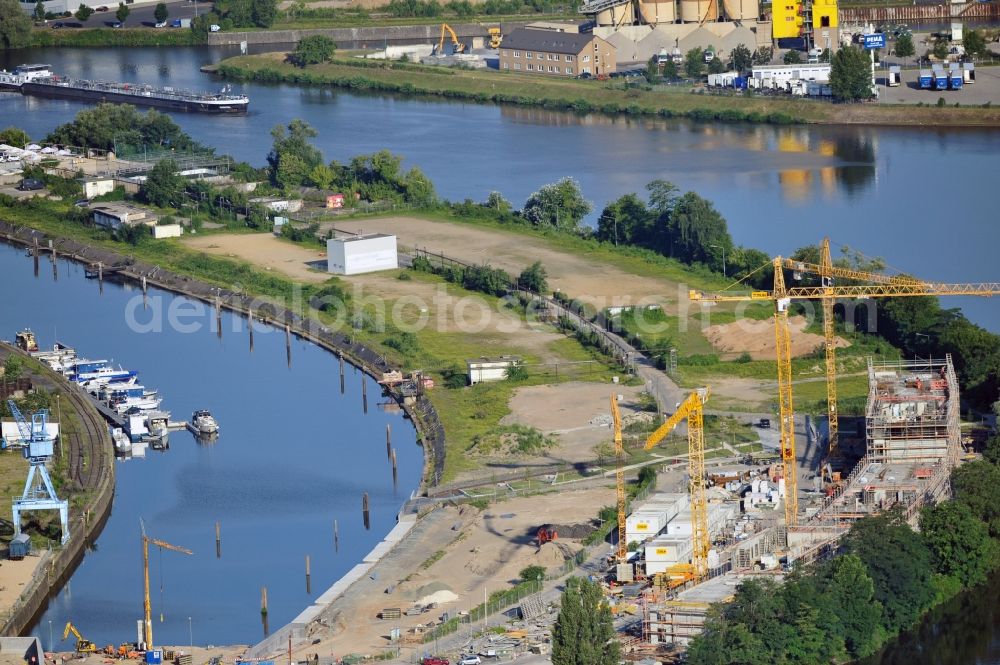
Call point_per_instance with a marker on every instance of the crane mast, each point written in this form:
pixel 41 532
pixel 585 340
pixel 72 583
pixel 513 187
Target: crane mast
pixel 692 409
pixel 147 609
pixel 621 554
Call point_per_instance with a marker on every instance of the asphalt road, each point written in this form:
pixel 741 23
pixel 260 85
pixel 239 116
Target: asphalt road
pixel 140 16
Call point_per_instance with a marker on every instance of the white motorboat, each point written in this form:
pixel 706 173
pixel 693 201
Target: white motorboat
pixel 122 443
pixel 157 422
pixel 203 423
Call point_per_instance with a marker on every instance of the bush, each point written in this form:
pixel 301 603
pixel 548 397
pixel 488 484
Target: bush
pixel 532 574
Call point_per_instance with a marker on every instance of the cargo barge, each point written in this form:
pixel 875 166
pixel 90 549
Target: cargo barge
pixel 36 80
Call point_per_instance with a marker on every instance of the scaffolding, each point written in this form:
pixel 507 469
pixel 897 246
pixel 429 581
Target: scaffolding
pixel 912 412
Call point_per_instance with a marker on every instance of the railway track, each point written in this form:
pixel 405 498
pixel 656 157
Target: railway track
pixel 89 447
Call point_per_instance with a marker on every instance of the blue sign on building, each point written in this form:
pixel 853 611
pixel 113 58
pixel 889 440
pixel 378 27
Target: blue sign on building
pixel 875 41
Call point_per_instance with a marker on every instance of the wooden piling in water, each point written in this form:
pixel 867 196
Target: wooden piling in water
pixel 263 609
pixel 218 541
pixel 218 317
pixel 341 372
pixel 250 327
pixel 34 255
pixel 388 440
pixel 288 344
pixel 365 511
pixel 364 392
pixel 336 536
pixel 308 584
pixel 395 475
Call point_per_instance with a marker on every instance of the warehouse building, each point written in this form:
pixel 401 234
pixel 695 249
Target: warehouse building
pixel 553 53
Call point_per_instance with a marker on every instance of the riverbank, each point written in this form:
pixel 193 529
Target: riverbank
pixel 590 96
pixel 91 466
pixel 98 37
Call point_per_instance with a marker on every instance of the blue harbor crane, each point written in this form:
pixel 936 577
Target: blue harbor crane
pixel 39 494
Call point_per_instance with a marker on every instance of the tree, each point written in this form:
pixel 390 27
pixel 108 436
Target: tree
pixel 163 187
pixel 742 58
pixel 15 26
pixel 904 46
pixel 313 50
pixel 991 453
pixel 532 574
pixel 160 13
pixel 292 157
pixel 694 63
pixel 534 278
pixel 974 43
pixel 851 74
pixel 83 12
pixel 698 233
pixel 121 127
pixel 321 176
pixel 624 221
pixel 940 50
pixel 763 55
pixel 977 485
pixel 39 13
pixel 824 55
pixel 496 201
pixel 670 70
pixel 264 12
pixel 849 592
pixel 13 366
pixel 716 66
pixel 959 542
pixel 560 205
pixel 792 57
pixel 14 136
pixel 903 582
pixel 653 69
pixel 584 632
pixel 122 12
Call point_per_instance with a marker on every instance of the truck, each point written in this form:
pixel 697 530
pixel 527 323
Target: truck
pixel 926 79
pixel 180 23
pixel 940 80
pixel 956 79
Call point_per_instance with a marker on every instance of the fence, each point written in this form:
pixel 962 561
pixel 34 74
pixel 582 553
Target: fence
pixel 482 612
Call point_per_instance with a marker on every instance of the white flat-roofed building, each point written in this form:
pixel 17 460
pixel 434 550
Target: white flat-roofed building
pixel 354 255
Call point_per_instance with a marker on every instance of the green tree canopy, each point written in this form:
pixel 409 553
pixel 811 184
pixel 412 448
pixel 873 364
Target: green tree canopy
pixel 122 12
pixel 977 485
pixel 584 631
pixel 974 43
pixel 83 12
pixel 716 66
pixel 160 12
pixel 792 57
pixel 763 55
pixel 670 72
pixel 15 26
pixel 534 278
pixel 121 126
pixel 560 205
pixel 13 366
pixel 904 45
pixel 163 187
pixel 313 50
pixel 694 63
pixel 959 542
pixel 742 58
pixel 903 582
pixel 292 157
pixel 39 12
pixel 248 13
pixel 14 136
pixel 851 74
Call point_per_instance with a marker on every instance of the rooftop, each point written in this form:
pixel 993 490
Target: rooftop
pixel 546 41
pixel 362 236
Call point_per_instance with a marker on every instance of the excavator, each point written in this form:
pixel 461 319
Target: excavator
pixel 457 46
pixel 82 645
pixel 495 37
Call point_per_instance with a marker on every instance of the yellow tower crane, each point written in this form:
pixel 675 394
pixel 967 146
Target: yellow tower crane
pixel 692 409
pixel 621 554
pixel 147 609
pixel 884 287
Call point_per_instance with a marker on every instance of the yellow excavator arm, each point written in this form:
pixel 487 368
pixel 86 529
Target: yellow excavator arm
pixel 446 30
pixel 70 628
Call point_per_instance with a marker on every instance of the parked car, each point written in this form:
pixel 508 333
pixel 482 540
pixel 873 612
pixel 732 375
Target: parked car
pixel 82 203
pixel 161 24
pixel 57 25
pixel 117 24
pixel 103 8
pixel 31 184
pixel 470 659
pixel 434 660
pixel 214 28
pixel 585 75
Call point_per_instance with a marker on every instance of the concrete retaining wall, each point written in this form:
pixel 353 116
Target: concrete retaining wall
pixel 363 37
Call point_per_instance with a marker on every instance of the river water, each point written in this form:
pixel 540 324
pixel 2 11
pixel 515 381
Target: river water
pixel 922 198
pixel 293 456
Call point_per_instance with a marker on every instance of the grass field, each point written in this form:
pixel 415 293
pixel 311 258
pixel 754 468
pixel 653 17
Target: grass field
pixel 592 95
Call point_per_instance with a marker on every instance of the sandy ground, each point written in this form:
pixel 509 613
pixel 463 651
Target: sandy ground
pixel 573 274
pixel 757 338
pixel 576 414
pixel 265 250
pixel 14 576
pixel 485 552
